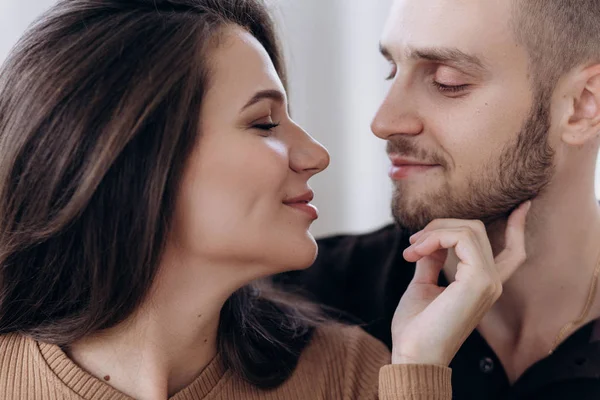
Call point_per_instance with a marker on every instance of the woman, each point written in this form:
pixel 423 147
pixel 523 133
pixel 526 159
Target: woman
pixel 149 176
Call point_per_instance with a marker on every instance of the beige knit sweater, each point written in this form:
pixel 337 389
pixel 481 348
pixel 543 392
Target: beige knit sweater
pixel 340 363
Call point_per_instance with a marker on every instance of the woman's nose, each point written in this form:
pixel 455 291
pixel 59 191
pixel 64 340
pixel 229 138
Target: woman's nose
pixel 308 155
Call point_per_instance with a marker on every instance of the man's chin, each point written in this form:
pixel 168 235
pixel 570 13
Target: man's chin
pixel 411 219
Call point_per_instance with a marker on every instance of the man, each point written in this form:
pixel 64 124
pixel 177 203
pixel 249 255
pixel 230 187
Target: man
pixel 492 103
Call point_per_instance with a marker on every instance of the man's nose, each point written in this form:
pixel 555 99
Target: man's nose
pixel 397 115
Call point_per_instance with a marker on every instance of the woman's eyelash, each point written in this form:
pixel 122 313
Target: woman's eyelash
pixel 449 88
pixel 266 127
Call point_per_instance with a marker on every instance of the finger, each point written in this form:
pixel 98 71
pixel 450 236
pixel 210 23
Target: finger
pixel 415 237
pixel 427 270
pixel 463 241
pixel 414 257
pixel 514 253
pixel 455 313
pixel 409 253
pixel 448 223
pixel 515 229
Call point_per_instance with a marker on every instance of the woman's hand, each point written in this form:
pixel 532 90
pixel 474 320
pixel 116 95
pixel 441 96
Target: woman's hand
pixel 432 322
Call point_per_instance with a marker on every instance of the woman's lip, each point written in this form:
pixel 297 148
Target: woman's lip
pixel 306 197
pixel 306 208
pixel 398 172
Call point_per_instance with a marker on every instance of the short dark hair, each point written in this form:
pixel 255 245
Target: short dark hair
pixel 99 109
pixel 558 35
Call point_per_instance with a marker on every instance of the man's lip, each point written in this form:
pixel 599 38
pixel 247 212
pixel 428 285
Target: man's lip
pixel 399 172
pixel 398 161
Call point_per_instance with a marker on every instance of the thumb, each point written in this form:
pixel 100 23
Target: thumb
pixel 514 253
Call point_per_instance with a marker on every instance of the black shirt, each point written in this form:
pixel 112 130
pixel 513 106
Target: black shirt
pixel 361 279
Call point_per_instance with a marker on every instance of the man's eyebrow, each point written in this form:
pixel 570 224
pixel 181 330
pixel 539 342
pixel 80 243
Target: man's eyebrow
pixel 447 55
pixel 439 54
pixel 271 94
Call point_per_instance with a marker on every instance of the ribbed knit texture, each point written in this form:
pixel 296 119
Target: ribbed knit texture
pixel 415 382
pixel 340 363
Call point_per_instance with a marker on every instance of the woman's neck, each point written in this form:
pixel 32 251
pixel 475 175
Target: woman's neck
pixel 151 356
pixel 169 340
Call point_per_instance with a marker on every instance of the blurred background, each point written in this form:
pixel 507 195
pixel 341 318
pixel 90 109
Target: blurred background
pixel 336 84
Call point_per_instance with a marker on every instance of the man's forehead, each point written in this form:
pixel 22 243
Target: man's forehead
pixel 471 26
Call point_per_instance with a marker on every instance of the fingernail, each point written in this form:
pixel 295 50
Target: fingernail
pixel 527 205
pixel 414 237
pixel 419 245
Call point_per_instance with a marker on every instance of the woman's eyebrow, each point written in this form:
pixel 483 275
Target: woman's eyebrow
pixel 271 94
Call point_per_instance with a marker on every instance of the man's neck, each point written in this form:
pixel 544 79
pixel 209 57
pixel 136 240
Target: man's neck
pixel 551 288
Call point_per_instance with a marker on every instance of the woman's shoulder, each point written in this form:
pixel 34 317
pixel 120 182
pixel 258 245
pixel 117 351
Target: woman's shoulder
pixel 361 366
pixel 27 370
pixel 13 345
pixel 341 362
pixel 15 361
pixel 345 342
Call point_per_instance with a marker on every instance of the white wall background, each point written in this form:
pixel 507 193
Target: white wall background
pixel 336 84
pixel 337 79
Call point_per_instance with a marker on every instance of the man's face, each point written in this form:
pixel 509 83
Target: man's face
pixel 466 134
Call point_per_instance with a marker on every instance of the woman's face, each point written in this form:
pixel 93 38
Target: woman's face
pixel 245 197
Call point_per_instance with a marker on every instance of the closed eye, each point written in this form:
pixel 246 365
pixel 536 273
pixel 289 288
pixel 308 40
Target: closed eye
pixel 266 127
pixel 450 88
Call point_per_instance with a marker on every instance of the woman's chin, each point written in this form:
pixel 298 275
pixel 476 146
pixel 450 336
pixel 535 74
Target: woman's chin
pixel 300 254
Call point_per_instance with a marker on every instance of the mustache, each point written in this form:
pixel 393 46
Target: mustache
pixel 406 147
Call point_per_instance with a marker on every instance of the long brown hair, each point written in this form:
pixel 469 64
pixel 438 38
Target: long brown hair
pixel 99 106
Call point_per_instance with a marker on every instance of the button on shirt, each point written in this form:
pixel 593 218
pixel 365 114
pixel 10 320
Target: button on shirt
pixel 487 365
pixel 364 276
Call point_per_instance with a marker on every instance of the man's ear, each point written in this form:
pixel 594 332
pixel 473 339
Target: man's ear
pixel 583 94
